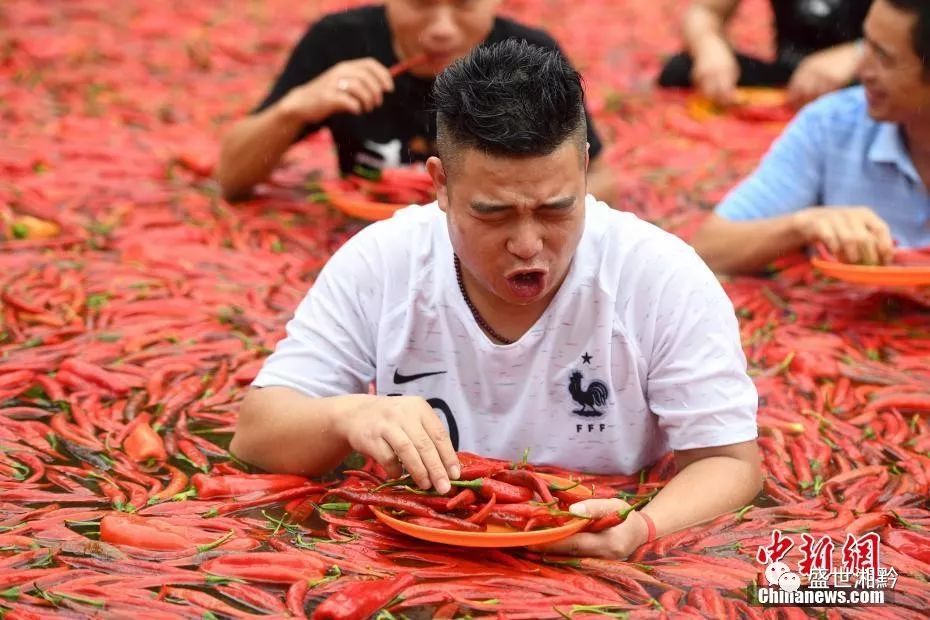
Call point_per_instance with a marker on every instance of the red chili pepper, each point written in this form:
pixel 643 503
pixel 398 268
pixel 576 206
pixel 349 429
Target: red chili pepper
pixel 113 493
pixel 59 423
pixel 202 600
pixel 212 487
pixel 268 566
pixel 267 500
pixel 528 479
pixel 159 534
pixel 193 454
pixel 908 542
pixel 407 505
pixel 143 443
pixel 361 599
pixel 254 597
pixel 296 598
pixel 465 497
pixel 360 511
pixel 364 475
pixel 505 493
pixel 436 502
pixel 95 375
pixel 482 515
pixel 176 485
pixel 408 64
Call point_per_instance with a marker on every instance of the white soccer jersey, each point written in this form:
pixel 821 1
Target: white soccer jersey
pixel 637 353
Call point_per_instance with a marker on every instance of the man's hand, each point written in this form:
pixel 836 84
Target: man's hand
pixel 351 87
pixel 824 72
pixel 615 543
pixel 403 431
pixel 715 71
pixel 854 234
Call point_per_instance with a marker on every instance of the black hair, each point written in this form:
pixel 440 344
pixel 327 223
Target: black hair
pixel 512 99
pixel 920 36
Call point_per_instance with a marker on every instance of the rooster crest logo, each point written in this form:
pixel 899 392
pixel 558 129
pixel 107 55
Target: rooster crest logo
pixel 594 396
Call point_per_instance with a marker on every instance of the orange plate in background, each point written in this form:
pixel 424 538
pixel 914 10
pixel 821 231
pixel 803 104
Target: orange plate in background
pixel 369 210
pixel 761 96
pixel 761 102
pixel 890 275
pixel 496 535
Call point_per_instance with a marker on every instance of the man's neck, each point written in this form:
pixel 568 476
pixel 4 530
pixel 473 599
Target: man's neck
pixel 508 320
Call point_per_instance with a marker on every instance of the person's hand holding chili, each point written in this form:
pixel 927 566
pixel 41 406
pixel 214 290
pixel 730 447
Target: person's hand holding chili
pixel 616 542
pixel 349 87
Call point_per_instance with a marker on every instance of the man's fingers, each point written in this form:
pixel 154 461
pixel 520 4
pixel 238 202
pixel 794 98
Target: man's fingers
pixel 884 243
pixel 868 246
pixel 380 73
pixel 384 455
pixel 439 436
pixel 345 102
pixel 824 231
pixel 407 453
pixel 854 238
pixel 597 508
pixel 357 89
pixel 372 86
pixel 426 449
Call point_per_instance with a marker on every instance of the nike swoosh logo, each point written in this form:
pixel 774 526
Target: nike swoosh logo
pixel 400 379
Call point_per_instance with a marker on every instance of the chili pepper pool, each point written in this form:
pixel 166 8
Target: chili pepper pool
pixel 136 307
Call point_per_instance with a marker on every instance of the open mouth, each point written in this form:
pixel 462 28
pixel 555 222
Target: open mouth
pixel 527 284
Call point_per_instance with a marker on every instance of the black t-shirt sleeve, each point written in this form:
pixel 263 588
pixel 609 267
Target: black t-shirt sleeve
pixel 506 29
pixel 308 60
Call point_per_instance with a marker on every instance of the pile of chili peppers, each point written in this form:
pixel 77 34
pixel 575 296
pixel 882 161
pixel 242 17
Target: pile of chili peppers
pixel 136 307
pixel 511 497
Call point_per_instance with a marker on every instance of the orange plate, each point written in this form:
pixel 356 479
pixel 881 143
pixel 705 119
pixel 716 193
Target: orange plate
pixel 361 209
pixel 761 96
pixel 497 535
pixel 880 276
pixel 702 108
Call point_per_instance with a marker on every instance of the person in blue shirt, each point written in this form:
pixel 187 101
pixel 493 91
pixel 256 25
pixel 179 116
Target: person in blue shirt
pixel 853 168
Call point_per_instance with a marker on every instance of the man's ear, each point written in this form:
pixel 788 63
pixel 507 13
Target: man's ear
pixel 587 156
pixel 438 174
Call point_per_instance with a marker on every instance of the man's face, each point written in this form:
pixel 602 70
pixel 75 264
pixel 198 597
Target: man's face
pixel 444 29
pixel 897 87
pixel 514 222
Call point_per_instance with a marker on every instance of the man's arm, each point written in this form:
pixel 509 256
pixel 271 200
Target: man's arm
pixel 695 495
pixel 715 70
pixel 312 87
pixel 745 247
pixel 853 234
pixel 704 402
pixel 253 147
pixel 706 19
pixel 755 222
pixel 824 71
pixel 308 407
pixel 282 430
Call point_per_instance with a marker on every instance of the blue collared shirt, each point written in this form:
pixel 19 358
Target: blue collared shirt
pixel 834 154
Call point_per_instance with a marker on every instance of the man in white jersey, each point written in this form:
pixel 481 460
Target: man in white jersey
pixel 517 313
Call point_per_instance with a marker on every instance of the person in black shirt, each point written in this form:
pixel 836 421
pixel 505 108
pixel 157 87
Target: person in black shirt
pixel 818 50
pixel 338 77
